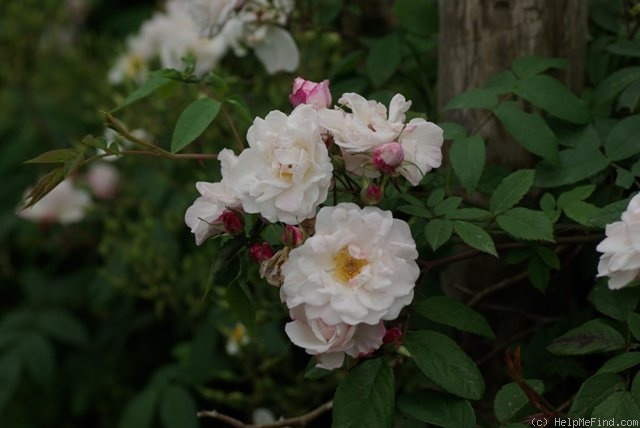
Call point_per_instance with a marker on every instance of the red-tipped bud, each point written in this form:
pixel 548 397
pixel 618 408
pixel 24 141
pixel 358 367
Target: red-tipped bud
pixel 372 194
pixel 233 222
pixel 292 236
pixel 392 335
pixel 308 92
pixel 261 252
pixel 387 157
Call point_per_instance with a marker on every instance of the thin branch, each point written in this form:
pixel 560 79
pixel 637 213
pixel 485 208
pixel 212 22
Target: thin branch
pixel 296 421
pixel 496 287
pixel 223 109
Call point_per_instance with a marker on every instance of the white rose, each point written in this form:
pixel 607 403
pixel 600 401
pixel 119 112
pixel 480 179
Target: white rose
pixel 103 179
pixel 369 126
pixel 330 342
pixel 286 172
pixel 359 267
pixel 64 204
pixel 209 16
pixel 203 217
pixel 621 248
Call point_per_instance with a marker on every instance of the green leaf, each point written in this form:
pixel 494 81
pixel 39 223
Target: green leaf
pixel 553 97
pixel 575 165
pixel 511 190
pixel 510 399
pixel 438 232
pixel 529 130
pixel 384 58
pixel 635 385
pixel 55 156
pixel 450 204
pixel 9 376
pixel 476 98
pixel 241 305
pixel 468 214
pixel 150 86
pixel 633 320
pixel 624 139
pixel 593 392
pixel 502 83
pixel 617 304
pixel 609 213
pixel 415 211
pixel 447 311
pixel 193 121
pixel 624 178
pixel 619 406
pixel 523 223
pixel 177 408
pixel 548 256
pixel 467 156
pixel 448 366
pixel 615 83
pixel 526 66
pixel 630 98
pixel 435 197
pixel 629 48
pixel 44 185
pixel 591 337
pixel 241 107
pixel 417 16
pixel 366 397
pixel 579 193
pixel 437 408
pixel 620 363
pixel 139 411
pixel 63 326
pixel 39 359
pixel 452 130
pixel 475 237
pixel 538 273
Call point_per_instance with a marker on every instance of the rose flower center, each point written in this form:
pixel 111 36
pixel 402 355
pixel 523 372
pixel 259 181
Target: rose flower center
pixel 347 266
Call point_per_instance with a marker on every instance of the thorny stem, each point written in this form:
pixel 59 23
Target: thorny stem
pixel 295 421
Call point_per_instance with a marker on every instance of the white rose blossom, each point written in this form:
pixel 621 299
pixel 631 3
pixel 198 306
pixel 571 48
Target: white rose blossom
pixel 620 260
pixel 331 342
pixel 359 267
pixel 286 171
pixel 369 125
pixel 65 204
pixel 203 217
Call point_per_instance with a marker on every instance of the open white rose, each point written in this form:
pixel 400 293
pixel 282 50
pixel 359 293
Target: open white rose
pixel 369 126
pixel 65 204
pixel 204 216
pixel 359 267
pixel 286 171
pixel 330 342
pixel 621 248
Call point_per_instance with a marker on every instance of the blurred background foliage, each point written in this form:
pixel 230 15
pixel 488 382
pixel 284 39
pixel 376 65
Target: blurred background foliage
pixel 110 322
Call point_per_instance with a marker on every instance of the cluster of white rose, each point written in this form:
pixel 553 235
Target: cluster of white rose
pixel 357 268
pixel 207 29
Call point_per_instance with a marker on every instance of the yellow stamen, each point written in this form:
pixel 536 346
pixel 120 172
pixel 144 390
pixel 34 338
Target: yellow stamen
pixel 347 266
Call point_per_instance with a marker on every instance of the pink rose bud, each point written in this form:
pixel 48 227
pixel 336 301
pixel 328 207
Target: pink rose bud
pixel 388 156
pixel 261 252
pixel 392 335
pixel 372 194
pixel 292 236
pixel 232 221
pixel 312 93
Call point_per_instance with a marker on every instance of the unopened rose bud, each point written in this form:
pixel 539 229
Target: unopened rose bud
pixel 233 222
pixel 393 335
pixel 292 236
pixel 312 93
pixel 261 252
pixel 388 157
pixel 372 194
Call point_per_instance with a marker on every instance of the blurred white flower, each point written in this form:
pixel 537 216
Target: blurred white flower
pixel 262 415
pixel 330 342
pixel 286 171
pixel 369 126
pixel 209 16
pixel 621 248
pixel 65 204
pixel 238 338
pixel 359 267
pixel 103 179
pixel 204 216
pixel 112 137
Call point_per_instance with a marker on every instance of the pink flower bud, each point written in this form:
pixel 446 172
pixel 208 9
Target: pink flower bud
pixel 232 221
pixel 292 236
pixel 388 156
pixel 392 335
pixel 372 194
pixel 308 92
pixel 261 252
pixel 103 179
